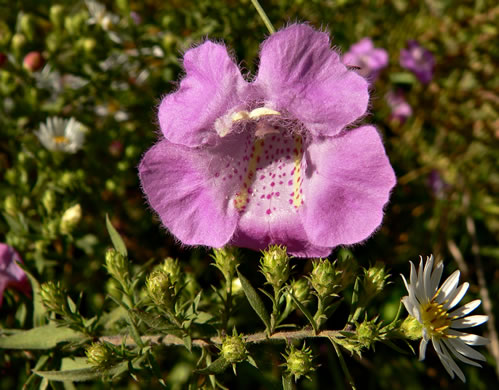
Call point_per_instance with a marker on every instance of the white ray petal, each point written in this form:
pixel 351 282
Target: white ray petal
pixel 448 287
pixel 458 355
pixel 428 268
pixel 456 297
pixel 436 276
pixel 468 338
pixel 422 349
pixel 465 350
pixel 465 309
pixel 468 322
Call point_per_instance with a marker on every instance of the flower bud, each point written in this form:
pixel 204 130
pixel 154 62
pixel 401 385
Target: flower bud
pixel 324 278
pixel 172 268
pixel 299 361
pixel 300 289
pixel 411 328
pixel 159 288
pixel 33 61
pixel 226 260
pixel 52 296
pixel 10 204
pixel 367 333
pixel 70 219
pixel 48 201
pixel 374 281
pixel 275 265
pixel 116 264
pixel 234 349
pixel 101 355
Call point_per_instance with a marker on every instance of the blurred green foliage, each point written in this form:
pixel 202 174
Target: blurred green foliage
pixel 110 75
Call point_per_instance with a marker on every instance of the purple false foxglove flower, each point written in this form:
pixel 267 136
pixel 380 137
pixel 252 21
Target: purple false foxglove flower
pixel 401 110
pixel 269 161
pixel 369 59
pixel 418 60
pixel 11 275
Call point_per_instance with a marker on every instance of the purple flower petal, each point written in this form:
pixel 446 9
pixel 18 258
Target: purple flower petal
pixel 211 87
pixel 418 60
pixel 350 182
pixel 179 183
pixel 300 74
pixel 11 275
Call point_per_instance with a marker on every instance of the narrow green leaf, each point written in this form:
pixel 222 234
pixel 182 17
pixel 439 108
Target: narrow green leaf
pixel 217 367
pixel 304 310
pixel 187 342
pixel 287 382
pixel 343 364
pixel 43 337
pixel 39 310
pixel 156 322
pixel 83 374
pixel 254 300
pixel 118 242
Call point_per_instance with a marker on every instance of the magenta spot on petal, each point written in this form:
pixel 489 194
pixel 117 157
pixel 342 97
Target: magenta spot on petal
pixel 230 176
pixel 240 177
pixel 262 197
pixel 223 178
pixel 281 182
pixel 228 165
pixel 250 191
pixel 235 171
pixel 264 187
pixel 277 193
pixel 217 174
pixel 291 201
pixel 269 196
pixel 272 184
pixel 262 177
pixel 284 174
pixel 274 208
pixel 290 183
pixel 268 211
pixel 292 194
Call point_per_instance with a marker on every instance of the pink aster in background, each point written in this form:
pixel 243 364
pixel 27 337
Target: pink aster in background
pixel 268 161
pixel 11 275
pixel 368 58
pixel 400 109
pixel 418 60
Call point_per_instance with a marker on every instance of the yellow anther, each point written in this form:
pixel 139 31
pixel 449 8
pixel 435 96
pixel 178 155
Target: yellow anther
pixel 60 140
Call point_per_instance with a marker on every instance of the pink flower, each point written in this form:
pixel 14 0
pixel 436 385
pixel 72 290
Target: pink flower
pixel 401 110
pixel 418 60
pixel 11 275
pixel 33 61
pixel 268 161
pixel 368 58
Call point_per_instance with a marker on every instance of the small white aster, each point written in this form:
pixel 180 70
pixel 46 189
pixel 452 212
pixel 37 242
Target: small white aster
pixel 65 135
pixel 432 305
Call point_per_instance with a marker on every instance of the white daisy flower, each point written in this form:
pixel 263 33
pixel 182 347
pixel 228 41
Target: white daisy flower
pixel 64 135
pixel 432 305
pixel 100 16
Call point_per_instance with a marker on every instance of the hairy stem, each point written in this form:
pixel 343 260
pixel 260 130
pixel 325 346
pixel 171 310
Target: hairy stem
pixel 254 338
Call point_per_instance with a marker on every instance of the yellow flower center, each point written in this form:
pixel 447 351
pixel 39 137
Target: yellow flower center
pixel 60 140
pixel 435 319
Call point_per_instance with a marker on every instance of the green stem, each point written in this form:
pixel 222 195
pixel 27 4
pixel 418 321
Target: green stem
pixel 264 16
pixel 343 365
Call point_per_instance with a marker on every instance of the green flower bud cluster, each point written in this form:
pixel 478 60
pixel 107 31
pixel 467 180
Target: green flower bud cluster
pixel 367 333
pixel 117 265
pixel 171 267
pixel 234 349
pixel 274 265
pixel 299 362
pixel 226 260
pixel 373 282
pixel 324 278
pixel 53 297
pixel 101 355
pixel 301 289
pixel 160 288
